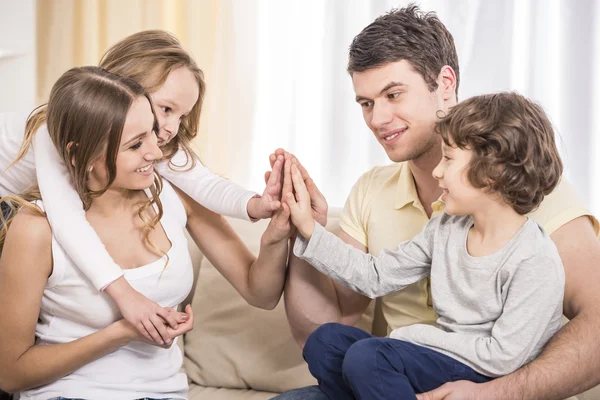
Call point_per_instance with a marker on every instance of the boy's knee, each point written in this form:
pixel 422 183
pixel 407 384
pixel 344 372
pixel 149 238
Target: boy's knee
pixel 361 358
pixel 321 340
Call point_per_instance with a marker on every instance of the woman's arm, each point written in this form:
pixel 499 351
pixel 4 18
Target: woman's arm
pixel 72 230
pixel 25 265
pixel 259 280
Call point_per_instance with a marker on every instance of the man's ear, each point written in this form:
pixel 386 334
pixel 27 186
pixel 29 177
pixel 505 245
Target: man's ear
pixel 447 83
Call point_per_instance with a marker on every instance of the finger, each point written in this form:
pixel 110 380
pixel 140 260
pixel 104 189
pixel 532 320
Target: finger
pixel 287 178
pixel 291 202
pixel 299 186
pixel 280 152
pixel 272 159
pixel 142 329
pixel 285 212
pixel 436 394
pixel 267 176
pixel 275 176
pixel 151 329
pixel 165 314
pixel 161 328
pixel 272 205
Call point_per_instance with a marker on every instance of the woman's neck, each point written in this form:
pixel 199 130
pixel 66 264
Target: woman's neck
pixel 116 202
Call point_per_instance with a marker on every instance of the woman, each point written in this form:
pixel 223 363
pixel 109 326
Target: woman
pixel 103 128
pixel 156 60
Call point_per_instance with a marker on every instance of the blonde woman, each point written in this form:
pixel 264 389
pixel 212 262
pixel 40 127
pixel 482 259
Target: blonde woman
pixel 176 85
pixel 104 130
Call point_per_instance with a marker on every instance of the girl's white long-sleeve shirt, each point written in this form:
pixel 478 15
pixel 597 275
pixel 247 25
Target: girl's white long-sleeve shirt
pixel 43 166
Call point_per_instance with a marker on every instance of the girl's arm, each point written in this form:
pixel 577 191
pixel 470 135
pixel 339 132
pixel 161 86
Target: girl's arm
pixel 72 230
pixel 217 194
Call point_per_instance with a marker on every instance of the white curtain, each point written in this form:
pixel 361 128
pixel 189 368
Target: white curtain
pixel 287 85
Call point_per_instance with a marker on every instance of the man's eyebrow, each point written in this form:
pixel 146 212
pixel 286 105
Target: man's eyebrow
pixel 385 88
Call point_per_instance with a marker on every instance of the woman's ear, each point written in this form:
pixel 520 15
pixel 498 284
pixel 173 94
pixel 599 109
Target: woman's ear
pixel 69 152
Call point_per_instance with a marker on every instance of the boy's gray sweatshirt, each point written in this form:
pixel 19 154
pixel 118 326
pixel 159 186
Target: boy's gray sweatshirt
pixel 495 312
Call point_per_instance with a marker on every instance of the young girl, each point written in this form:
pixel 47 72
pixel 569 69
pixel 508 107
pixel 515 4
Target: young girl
pixel 61 337
pixel 176 85
pixel 497 281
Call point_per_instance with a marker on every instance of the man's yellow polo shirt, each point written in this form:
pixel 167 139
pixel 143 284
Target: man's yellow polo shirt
pixel 383 209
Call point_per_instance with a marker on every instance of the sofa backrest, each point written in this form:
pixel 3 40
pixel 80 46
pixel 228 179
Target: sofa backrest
pixel 234 345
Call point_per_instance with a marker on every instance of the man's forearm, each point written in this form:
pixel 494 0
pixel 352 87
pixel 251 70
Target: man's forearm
pixel 568 365
pixel 310 298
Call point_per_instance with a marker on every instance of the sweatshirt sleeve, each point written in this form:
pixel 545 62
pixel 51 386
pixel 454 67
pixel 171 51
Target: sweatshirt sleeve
pixel 66 216
pixel 209 190
pixel 364 273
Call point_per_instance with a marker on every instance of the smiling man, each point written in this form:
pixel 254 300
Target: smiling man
pixel 405 74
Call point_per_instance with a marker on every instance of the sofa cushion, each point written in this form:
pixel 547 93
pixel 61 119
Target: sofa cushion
pixel 203 393
pixel 234 345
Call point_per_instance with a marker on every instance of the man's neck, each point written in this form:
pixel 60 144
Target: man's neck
pixel 427 186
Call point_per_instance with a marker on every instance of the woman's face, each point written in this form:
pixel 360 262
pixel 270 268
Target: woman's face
pixel 173 101
pixel 138 151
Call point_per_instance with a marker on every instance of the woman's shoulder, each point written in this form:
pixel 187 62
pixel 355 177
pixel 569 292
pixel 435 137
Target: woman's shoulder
pixel 30 224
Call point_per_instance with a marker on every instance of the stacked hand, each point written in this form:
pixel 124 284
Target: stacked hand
pixel 184 322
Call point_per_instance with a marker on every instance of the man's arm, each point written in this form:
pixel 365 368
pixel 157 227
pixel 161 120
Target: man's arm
pixel 313 299
pixel 570 361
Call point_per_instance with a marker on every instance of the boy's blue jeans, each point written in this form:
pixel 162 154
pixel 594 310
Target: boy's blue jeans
pixel 349 363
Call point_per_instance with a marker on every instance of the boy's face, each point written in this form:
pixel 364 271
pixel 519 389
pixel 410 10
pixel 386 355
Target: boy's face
pixel 399 109
pixel 460 197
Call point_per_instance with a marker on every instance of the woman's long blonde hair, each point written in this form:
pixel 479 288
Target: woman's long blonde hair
pixel 85 116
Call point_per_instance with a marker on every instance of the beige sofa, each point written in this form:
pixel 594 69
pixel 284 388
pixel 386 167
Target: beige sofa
pixel 236 351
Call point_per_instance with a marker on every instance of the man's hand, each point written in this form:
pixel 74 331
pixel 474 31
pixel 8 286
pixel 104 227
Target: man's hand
pixel 459 390
pixel 265 205
pixel 146 316
pixel 317 200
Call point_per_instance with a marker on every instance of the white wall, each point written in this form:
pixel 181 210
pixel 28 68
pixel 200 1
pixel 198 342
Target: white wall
pixel 17 55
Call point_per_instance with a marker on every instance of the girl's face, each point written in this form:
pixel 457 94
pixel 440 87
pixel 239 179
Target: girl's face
pixel 173 101
pixel 137 152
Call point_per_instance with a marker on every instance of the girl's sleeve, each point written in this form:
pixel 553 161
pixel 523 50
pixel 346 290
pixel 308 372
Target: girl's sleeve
pixel 67 219
pixel 209 190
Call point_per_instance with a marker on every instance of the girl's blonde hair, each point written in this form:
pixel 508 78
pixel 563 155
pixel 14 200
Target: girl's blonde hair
pixel 149 57
pixel 85 116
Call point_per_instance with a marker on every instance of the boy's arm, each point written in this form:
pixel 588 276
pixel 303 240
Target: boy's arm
pixel 570 362
pixel 366 274
pixel 70 227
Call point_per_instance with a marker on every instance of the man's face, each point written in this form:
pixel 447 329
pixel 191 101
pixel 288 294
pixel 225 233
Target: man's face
pixel 399 109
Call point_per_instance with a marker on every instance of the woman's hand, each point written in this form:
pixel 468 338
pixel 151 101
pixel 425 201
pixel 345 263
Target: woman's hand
pixel 185 321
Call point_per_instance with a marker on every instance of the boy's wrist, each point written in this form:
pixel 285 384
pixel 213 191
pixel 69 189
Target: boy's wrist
pixel 307 229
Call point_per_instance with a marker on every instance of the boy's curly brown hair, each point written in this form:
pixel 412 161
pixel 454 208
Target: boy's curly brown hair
pixel 513 148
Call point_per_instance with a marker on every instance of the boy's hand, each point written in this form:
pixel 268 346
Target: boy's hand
pixel 300 207
pixel 265 205
pixel 146 316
